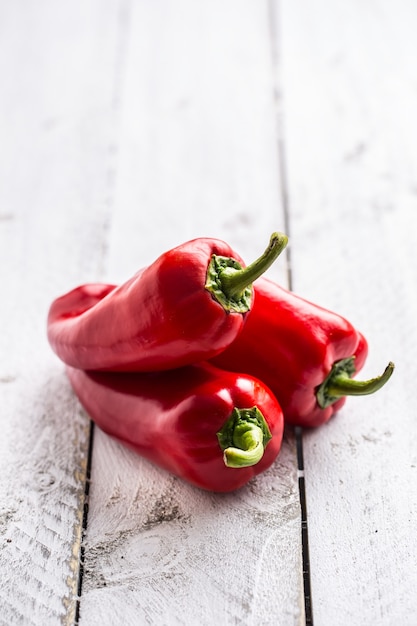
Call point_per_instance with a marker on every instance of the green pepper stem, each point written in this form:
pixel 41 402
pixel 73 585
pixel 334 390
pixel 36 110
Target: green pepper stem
pixel 249 447
pixel 244 437
pixel 343 385
pixel 234 281
pixel 340 383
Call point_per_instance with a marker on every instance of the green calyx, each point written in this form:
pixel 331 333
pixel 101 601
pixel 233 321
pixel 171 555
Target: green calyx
pixel 244 437
pixel 339 382
pixel 230 284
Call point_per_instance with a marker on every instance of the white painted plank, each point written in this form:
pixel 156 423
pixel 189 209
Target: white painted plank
pixel 349 82
pixel 57 68
pixel 198 138
pixel 197 157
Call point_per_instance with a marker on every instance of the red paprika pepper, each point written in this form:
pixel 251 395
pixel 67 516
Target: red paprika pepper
pixel 306 354
pixel 214 429
pixel 185 307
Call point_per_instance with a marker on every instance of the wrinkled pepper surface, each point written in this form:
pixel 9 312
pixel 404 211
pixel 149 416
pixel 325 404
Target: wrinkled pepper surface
pixel 212 428
pixel 306 354
pixel 187 306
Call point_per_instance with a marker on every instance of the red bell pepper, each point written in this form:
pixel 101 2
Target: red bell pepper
pixel 214 429
pixel 306 354
pixel 187 306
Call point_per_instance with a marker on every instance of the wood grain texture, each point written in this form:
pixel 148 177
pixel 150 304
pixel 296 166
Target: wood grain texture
pixel 126 128
pixel 159 551
pixel 56 113
pixel 196 157
pixel 197 150
pixel 349 75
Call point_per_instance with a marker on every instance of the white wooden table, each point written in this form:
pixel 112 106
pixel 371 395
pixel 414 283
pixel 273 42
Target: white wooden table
pixel 130 126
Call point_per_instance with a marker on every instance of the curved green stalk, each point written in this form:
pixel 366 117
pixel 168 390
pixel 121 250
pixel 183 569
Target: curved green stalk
pixel 243 438
pixel 231 284
pixel 340 383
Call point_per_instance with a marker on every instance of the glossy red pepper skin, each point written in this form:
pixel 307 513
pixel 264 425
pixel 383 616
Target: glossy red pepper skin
pixel 159 319
pixel 292 344
pixel 172 417
pixel 187 306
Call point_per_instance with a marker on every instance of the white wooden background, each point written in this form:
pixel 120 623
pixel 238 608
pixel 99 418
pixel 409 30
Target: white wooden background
pixel 127 127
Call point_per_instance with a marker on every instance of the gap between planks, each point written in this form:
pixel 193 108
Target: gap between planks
pixel 81 547
pixel 274 27
pixel 275 63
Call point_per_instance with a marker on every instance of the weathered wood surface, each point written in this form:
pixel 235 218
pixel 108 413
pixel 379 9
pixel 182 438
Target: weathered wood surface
pixel 196 157
pixel 128 127
pixel 131 128
pixel 57 64
pixel 349 75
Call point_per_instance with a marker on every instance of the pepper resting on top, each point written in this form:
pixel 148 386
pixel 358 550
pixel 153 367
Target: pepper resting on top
pixel 187 306
pixel 212 428
pixel 306 354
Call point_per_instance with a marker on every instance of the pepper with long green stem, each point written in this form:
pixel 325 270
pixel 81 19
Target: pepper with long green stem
pixel 339 383
pixel 212 428
pixel 186 307
pixel 305 353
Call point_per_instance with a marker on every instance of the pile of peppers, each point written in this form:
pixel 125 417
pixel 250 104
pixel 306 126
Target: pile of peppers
pixel 173 363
